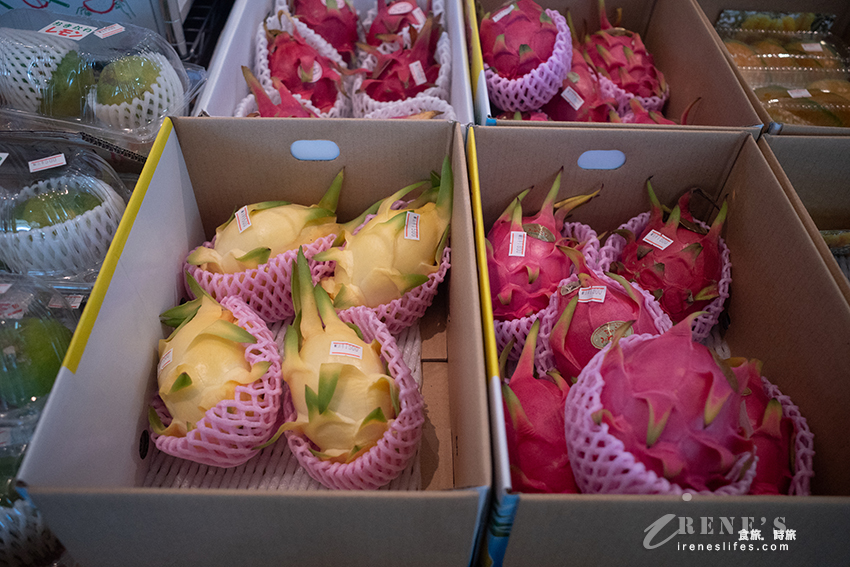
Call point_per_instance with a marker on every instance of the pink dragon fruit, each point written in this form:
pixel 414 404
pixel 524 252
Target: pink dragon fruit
pixel 335 20
pixel 639 115
pixel 534 422
pixel 404 73
pixel 289 106
pixel 517 39
pixel 392 18
pixel 676 260
pixel 303 70
pixel 772 432
pixel 525 255
pixel 591 307
pixel 620 56
pixel 532 116
pixel 676 407
pixel 579 99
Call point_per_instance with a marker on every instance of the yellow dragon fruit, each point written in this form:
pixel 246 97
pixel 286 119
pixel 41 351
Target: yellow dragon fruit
pixel 340 386
pixel 396 250
pixel 202 362
pixel 274 227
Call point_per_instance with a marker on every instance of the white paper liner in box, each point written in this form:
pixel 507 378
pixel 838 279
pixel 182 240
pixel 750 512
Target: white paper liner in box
pixel 163 97
pixel 364 104
pixel 275 468
pixel 342 105
pixel 411 106
pixel 537 87
pixel 804 441
pixel 517 329
pixel 613 249
pixel 26 68
pixel 248 105
pixel 24 537
pixel 601 464
pixel 71 247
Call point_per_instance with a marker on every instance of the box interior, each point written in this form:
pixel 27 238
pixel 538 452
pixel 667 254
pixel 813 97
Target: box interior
pixel 674 33
pixel 96 496
pixel 772 317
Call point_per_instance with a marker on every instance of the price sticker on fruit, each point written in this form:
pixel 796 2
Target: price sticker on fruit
pixel 68 30
pixel 342 348
pixel 592 294
pixel 47 163
pixel 411 226
pixel 109 31
pixel 657 239
pixel 243 221
pixel 517 245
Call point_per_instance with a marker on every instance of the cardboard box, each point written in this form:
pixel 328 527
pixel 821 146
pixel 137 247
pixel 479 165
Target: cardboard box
pixel 675 35
pixel 236 46
pixel 711 9
pixel 817 182
pixel 783 308
pixel 84 470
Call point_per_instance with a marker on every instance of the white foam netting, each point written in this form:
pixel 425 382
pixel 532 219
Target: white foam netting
pixel 27 62
pixel 275 468
pixel 164 97
pixel 24 538
pixel 71 247
pixel 278 21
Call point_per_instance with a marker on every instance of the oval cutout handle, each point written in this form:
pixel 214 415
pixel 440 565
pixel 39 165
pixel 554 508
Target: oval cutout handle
pixel 314 150
pixel 601 159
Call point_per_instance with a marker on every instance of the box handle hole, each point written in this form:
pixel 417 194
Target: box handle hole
pixel 314 150
pixel 601 159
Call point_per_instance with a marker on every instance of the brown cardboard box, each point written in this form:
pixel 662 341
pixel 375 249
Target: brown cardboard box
pixel 785 309
pixel 84 470
pixel 817 181
pixel 674 33
pixel 711 9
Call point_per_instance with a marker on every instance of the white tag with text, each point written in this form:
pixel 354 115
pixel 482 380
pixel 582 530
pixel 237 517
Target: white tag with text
pixel 68 30
pixel 595 294
pixel 812 47
pixel 165 361
pixel 572 97
pixel 411 226
pixel 108 31
pixel 503 13
pixel 418 73
pixel 400 8
pixel 517 247
pixel 342 348
pixel 47 163
pixel 243 220
pixel 799 93
pixel 657 239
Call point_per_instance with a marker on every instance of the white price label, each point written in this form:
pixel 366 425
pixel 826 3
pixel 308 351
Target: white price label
pixel 4 288
pixel 11 310
pixel 799 93
pixel 657 239
pixel 572 97
pixel 68 30
pixel 812 47
pixel 411 226
pixel 165 361
pixel 419 16
pixel 517 247
pixel 594 294
pixel 103 33
pixel 73 300
pixel 243 220
pixel 400 8
pixel 47 163
pixel 503 13
pixel 342 348
pixel 418 73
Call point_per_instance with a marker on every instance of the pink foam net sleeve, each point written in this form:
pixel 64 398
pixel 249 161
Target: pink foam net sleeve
pixel 394 452
pixel 612 252
pixel 601 464
pixel 804 441
pixel 517 329
pixel 536 88
pixel 267 289
pixel 227 436
pixel 544 357
pixel 609 89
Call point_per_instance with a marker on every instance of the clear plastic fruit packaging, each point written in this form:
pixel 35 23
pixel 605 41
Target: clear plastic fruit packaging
pixel 115 81
pixel 36 326
pixel 60 205
pixel 800 77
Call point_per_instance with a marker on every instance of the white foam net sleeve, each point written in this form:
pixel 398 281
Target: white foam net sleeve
pixel 27 62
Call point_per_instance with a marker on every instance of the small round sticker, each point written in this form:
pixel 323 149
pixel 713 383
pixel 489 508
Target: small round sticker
pixel 317 72
pixel 605 332
pixel 400 8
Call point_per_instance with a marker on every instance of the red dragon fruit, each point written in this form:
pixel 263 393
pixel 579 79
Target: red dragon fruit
pixel 525 255
pixel 772 432
pixel 289 106
pixel 676 407
pixel 404 73
pixel 676 260
pixel 532 116
pixel 639 115
pixel 590 309
pixel 579 99
pixel 620 56
pixel 534 423
pixel 517 39
pixel 392 18
pixel 335 20
pixel 303 70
